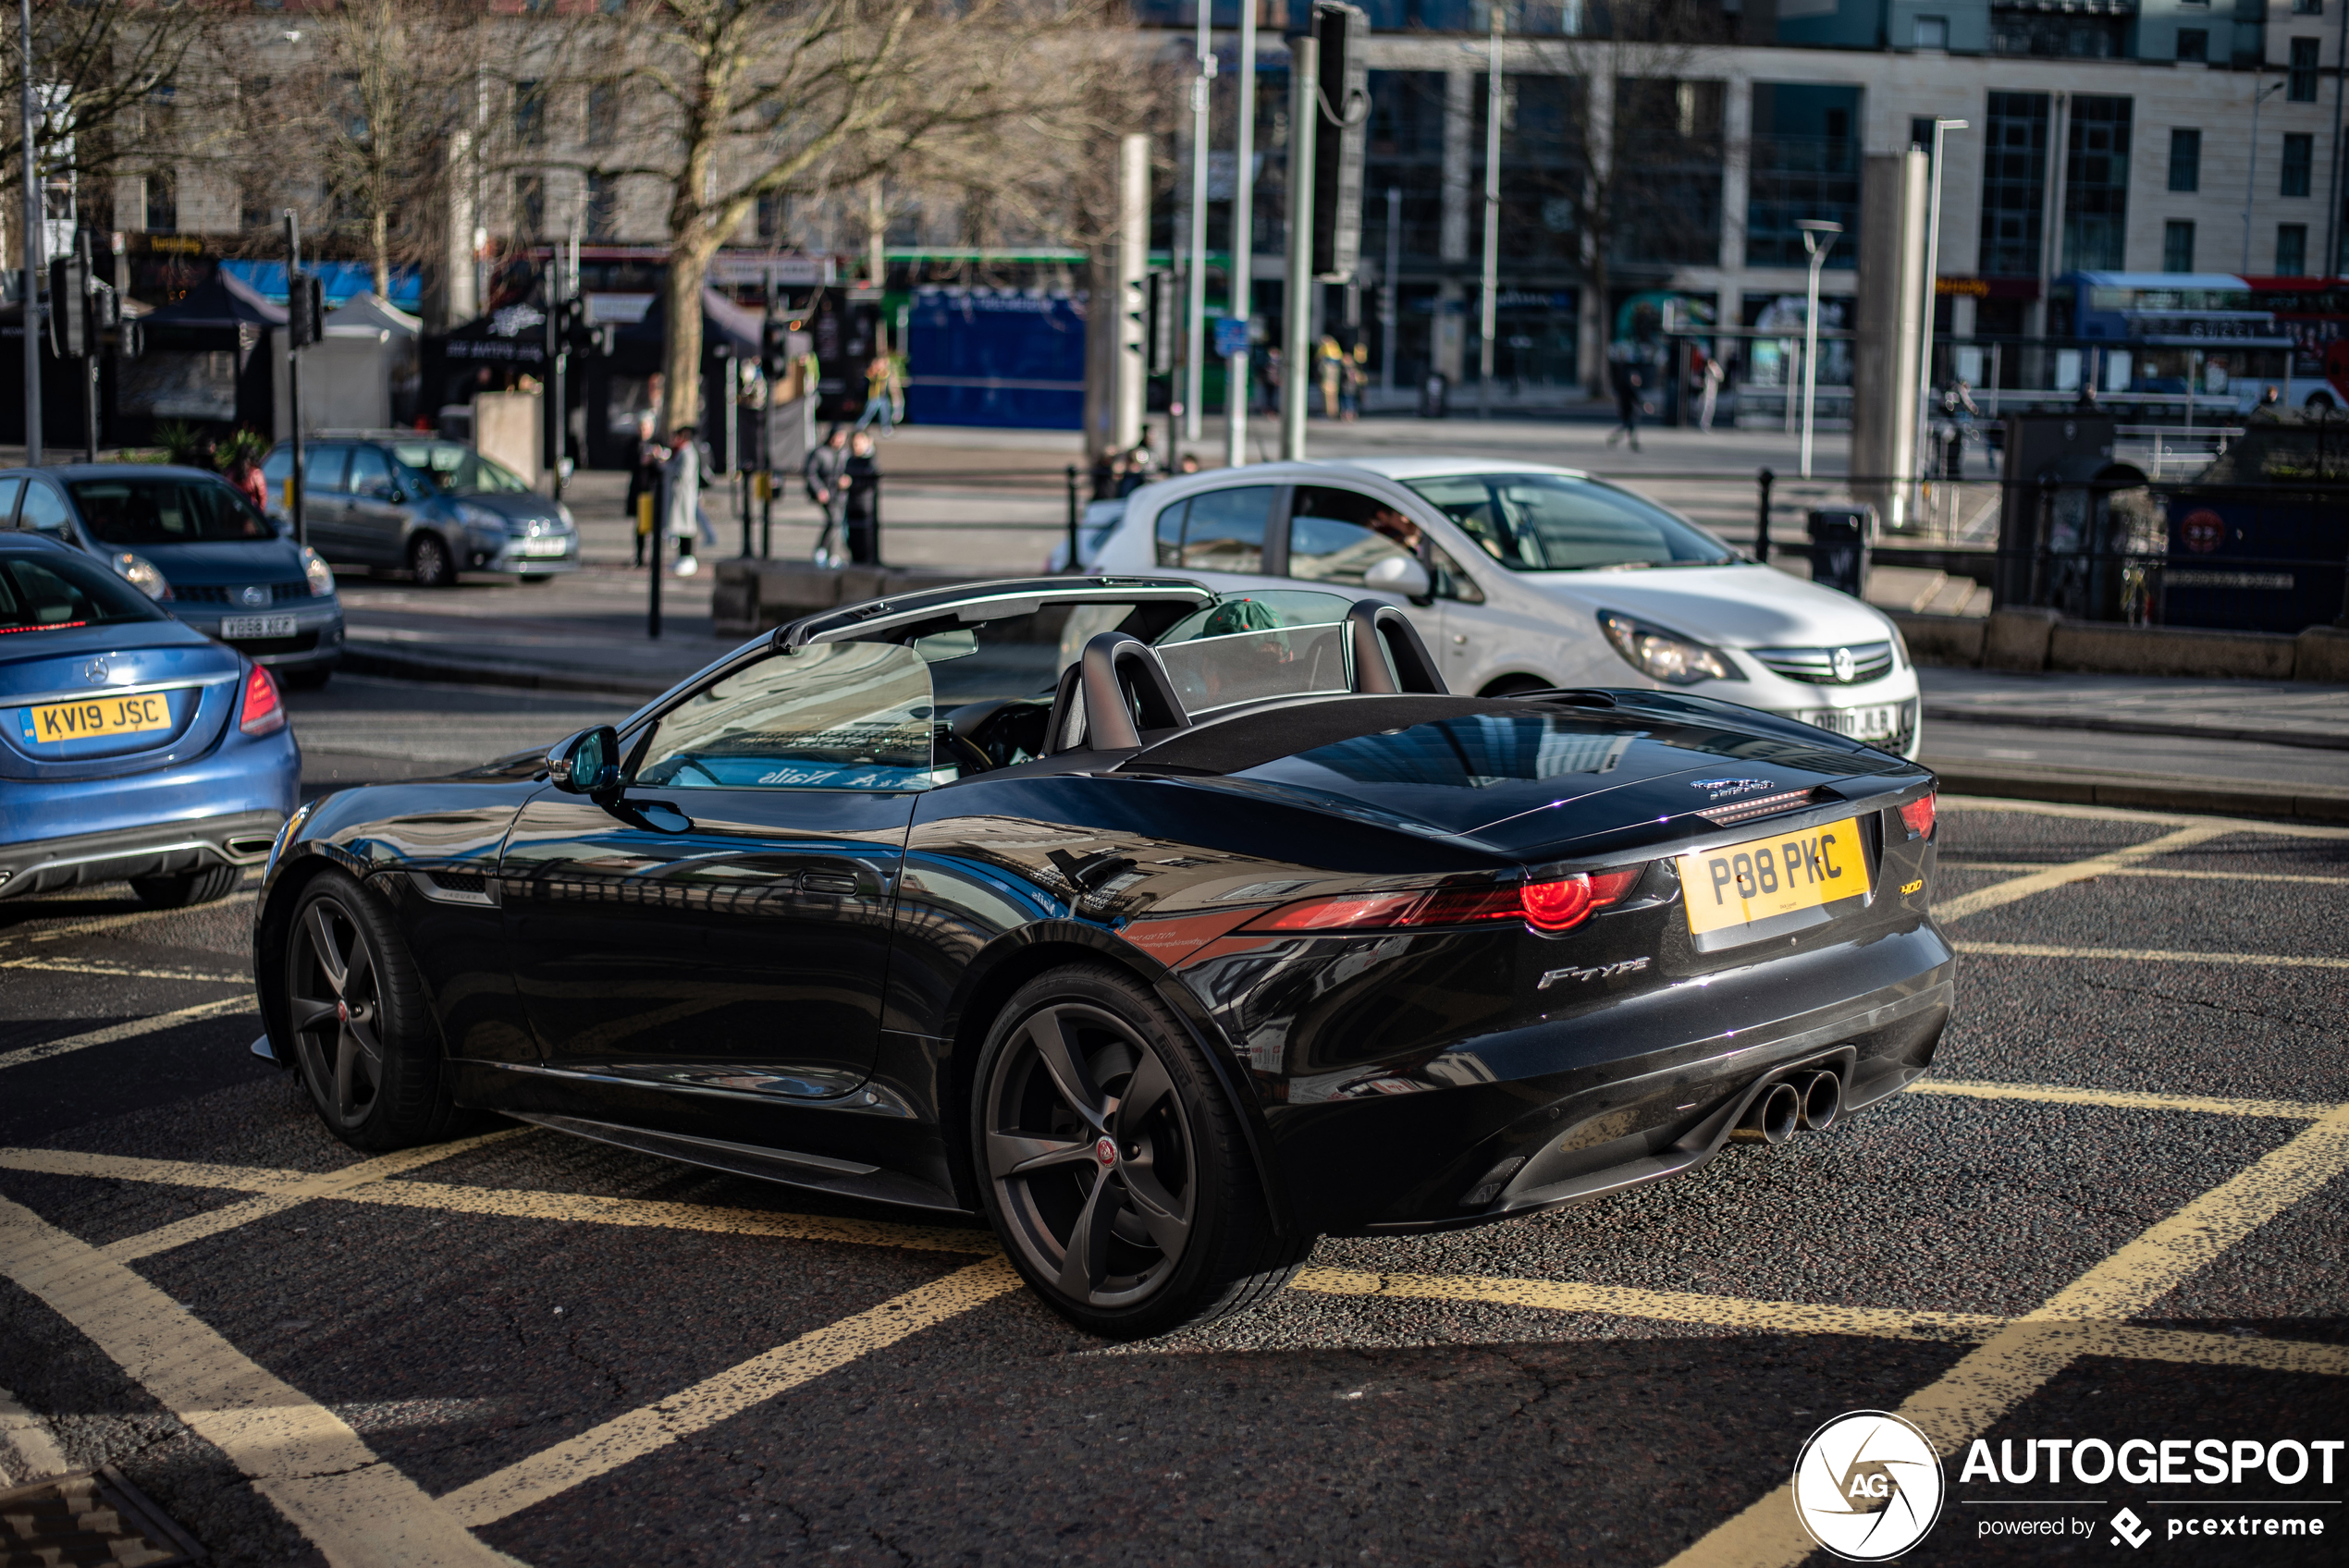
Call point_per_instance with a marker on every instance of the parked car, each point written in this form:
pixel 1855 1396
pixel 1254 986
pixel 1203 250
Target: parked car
pixel 1525 576
pixel 400 500
pixel 1246 932
pixel 131 745
pixel 187 538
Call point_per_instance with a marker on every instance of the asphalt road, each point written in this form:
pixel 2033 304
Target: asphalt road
pixel 2118 1210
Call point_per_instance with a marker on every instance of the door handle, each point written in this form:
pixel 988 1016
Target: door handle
pixel 839 882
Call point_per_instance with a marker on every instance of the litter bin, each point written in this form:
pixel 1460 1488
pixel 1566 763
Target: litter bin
pixel 1839 538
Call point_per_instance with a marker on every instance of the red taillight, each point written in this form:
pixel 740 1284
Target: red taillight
pixel 1557 905
pixel 1918 815
pixel 261 713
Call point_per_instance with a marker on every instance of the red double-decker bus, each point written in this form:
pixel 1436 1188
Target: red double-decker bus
pixel 2314 312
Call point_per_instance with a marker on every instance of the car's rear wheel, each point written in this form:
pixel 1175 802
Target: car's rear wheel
pixel 1113 1166
pixel 363 1040
pixel 429 559
pixel 188 887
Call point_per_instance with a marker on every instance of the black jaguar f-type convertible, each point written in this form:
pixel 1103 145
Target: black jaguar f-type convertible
pixel 1247 933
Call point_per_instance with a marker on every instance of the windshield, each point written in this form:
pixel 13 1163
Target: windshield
pixel 1550 522
pixel 458 470
pixel 48 594
pixel 167 511
pixel 1252 647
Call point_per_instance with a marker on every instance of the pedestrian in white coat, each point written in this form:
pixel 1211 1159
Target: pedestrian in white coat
pixel 680 496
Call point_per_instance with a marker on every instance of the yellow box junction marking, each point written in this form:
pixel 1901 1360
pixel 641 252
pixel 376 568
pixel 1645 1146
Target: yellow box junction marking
pixel 2147 955
pixel 2122 1099
pixel 2007 892
pixel 130 1031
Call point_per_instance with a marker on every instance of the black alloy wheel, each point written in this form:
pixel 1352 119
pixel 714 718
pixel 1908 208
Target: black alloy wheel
pixel 1114 1169
pixel 187 888
pixel 429 558
pixel 363 1041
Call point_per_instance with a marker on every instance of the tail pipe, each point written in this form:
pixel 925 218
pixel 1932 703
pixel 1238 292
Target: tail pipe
pixel 1808 1102
pixel 1822 1101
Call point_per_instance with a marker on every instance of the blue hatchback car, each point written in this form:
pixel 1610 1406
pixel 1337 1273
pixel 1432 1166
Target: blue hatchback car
pixel 132 747
pixel 232 572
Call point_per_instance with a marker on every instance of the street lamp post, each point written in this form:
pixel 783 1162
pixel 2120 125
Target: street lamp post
pixel 2250 171
pixel 1932 270
pixel 32 249
pixel 1819 238
pixel 1194 338
pixel 1489 315
pixel 1243 243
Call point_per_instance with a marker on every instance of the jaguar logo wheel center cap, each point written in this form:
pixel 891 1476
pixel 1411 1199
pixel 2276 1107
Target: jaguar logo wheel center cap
pixel 342 1013
pixel 1106 1150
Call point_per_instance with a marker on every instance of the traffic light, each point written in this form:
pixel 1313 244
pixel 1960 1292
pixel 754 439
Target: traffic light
pixel 774 349
pixel 68 307
pixel 1338 148
pixel 305 309
pixel 1151 305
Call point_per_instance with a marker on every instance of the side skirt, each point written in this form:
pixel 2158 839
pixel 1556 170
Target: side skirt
pixel 820 1172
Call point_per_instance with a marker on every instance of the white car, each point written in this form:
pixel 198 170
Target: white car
pixel 1524 576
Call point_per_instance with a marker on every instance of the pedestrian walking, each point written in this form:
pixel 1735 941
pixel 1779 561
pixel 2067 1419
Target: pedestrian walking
pixel 1709 378
pixel 1330 372
pixel 1623 368
pixel 1134 470
pixel 681 498
pixel 880 387
pixel 1355 376
pixel 860 481
pixel 822 474
pixel 644 479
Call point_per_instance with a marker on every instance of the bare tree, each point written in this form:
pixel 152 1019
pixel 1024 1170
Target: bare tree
pixel 732 102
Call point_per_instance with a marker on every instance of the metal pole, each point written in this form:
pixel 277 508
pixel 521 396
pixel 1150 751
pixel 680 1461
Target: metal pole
pixel 560 362
pixel 1932 270
pixel 1489 313
pixel 1074 565
pixel 1819 238
pixel 296 480
pixel 32 259
pixel 1762 518
pixel 88 346
pixel 1297 283
pixel 1194 338
pixel 1243 242
pixel 1388 313
pixel 2332 174
pixel 2250 171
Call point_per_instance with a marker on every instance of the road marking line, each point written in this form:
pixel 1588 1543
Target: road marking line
pixel 2040 881
pixel 108 923
pixel 500 1201
pixel 357 1511
pixel 330 1185
pixel 2018 1361
pixel 2147 955
pixel 2122 1099
pixel 124 971
pixel 631 1436
pixel 27 1451
pixel 2154 871
pixel 130 1031
pixel 2155 818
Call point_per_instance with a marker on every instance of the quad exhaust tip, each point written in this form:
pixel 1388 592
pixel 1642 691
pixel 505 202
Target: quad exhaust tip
pixel 1808 1103
pixel 1822 1101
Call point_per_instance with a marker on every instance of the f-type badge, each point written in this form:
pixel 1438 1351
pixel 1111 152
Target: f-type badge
pixel 1604 972
pixel 1720 789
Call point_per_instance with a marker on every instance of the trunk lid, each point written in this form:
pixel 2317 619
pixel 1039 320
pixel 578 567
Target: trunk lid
pixel 61 696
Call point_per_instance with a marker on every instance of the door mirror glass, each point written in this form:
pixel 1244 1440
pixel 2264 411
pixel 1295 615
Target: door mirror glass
pixel 836 715
pixel 1399 574
pixel 586 764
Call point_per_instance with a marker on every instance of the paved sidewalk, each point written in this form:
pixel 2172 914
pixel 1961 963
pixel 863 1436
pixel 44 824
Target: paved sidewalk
pixel 2274 714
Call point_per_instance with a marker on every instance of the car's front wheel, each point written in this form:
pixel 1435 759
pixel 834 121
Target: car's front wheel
pixel 1113 1166
pixel 363 1040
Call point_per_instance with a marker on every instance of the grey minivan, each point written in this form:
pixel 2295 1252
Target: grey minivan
pixel 394 500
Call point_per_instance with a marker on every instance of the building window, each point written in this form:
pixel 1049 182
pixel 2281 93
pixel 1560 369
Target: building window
pixel 2292 250
pixel 2303 76
pixel 530 205
pixel 530 114
pixel 1668 139
pixel 2014 183
pixel 1806 164
pixel 2177 246
pixel 2095 184
pixel 162 202
pixel 2308 7
pixel 603 113
pixel 603 206
pixel 1933 32
pixel 774 218
pixel 2185 160
pixel 2299 155
pixel 2193 45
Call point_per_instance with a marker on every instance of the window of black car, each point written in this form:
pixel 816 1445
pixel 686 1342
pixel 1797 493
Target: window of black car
pixel 832 716
pixel 9 489
pixel 458 470
pixel 45 510
pixel 39 593
pixel 370 476
pixel 167 511
pixel 1549 522
pixel 1217 530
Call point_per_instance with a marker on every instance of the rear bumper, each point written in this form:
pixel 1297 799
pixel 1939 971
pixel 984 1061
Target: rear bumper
pixel 1574 1116
pixel 160 848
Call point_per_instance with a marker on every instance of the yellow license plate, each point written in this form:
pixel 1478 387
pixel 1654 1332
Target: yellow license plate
pixel 97 716
pixel 1780 875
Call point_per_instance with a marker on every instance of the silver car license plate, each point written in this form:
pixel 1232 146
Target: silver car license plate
pixel 1878 721
pixel 233 627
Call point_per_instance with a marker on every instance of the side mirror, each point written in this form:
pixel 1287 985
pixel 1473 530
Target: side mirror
pixel 587 763
pixel 1400 574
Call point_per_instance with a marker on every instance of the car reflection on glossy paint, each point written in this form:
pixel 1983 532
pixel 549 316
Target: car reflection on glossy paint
pixel 1245 933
